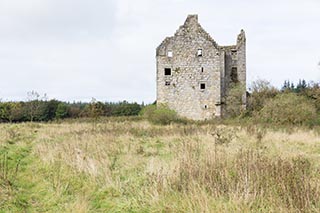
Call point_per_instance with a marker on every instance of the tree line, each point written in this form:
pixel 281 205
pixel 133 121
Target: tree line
pixel 42 110
pixel 292 103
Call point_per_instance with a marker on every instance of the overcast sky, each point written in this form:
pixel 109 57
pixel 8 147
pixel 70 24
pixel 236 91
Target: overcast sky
pixel 79 49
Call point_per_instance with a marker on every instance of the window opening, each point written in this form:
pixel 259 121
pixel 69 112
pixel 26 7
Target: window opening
pixel 199 53
pixel 170 54
pixel 202 86
pixel 167 71
pixel 234 75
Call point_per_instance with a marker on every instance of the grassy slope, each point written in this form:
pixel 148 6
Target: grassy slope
pixel 133 166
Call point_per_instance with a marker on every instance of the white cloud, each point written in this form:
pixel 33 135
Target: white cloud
pixel 75 50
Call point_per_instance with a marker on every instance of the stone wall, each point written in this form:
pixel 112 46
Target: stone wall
pixel 241 46
pixel 181 90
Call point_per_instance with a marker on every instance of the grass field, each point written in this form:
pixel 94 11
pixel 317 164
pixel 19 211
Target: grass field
pixel 130 165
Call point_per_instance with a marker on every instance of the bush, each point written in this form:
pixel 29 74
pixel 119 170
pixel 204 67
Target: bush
pixel 262 92
pixel 148 110
pixel 313 93
pixel 160 114
pixel 288 108
pixel 235 101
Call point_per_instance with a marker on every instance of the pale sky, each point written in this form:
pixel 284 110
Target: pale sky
pixel 79 49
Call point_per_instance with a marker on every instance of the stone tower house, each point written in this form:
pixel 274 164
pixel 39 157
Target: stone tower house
pixel 195 74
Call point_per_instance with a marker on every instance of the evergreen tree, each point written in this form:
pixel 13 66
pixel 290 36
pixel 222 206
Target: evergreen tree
pixel 62 111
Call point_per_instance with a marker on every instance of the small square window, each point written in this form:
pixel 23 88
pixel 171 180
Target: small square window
pixel 199 53
pixel 170 54
pixel 167 83
pixel 167 71
pixel 202 86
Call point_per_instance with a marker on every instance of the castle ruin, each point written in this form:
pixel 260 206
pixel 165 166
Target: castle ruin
pixel 195 74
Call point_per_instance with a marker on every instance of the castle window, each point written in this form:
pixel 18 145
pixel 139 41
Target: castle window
pixel 234 75
pixel 202 86
pixel 167 83
pixel 233 52
pixel 206 106
pixel 202 69
pixel 170 54
pixel 199 53
pixel 167 71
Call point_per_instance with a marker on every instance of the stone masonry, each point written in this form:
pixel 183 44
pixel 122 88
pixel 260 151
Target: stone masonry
pixel 194 73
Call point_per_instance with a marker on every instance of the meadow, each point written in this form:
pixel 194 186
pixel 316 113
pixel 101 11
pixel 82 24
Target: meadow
pixel 130 165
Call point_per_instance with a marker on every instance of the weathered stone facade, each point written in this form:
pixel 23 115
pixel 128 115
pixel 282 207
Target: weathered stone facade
pixel 194 73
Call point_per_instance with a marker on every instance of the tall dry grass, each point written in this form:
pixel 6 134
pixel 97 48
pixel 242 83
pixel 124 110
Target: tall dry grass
pixel 134 166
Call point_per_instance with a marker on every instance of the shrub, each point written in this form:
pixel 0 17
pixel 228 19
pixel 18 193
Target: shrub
pixel 148 110
pixel 235 100
pixel 313 93
pixel 262 92
pixel 160 114
pixel 288 108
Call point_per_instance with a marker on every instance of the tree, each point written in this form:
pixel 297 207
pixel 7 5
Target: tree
pixel 286 85
pixel 262 91
pixel 74 110
pixel 94 110
pixel 11 111
pixel 62 111
pixel 47 110
pixel 15 111
pixel 261 85
pixel 292 87
pixel 4 112
pixel 33 104
pixel 126 109
pixel 301 86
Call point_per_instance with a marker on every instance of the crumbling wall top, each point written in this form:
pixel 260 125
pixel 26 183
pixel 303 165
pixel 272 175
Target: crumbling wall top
pixel 241 37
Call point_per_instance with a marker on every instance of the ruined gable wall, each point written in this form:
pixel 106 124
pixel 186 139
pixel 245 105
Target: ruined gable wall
pixel 184 94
